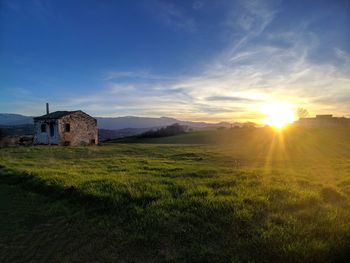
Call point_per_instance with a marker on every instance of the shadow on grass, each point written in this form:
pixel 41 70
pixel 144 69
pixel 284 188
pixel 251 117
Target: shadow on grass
pixel 157 219
pixel 103 196
pixel 42 220
pixel 185 225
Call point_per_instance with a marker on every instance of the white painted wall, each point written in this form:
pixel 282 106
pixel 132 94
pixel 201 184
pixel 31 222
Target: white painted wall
pixel 45 137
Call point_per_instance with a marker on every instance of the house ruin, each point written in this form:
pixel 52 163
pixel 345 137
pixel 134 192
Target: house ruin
pixel 65 128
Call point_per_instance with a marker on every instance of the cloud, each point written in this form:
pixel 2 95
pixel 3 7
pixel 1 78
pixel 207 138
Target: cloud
pixel 114 75
pixel 234 86
pixel 343 56
pixel 237 81
pixel 229 98
pixel 173 16
pixel 248 20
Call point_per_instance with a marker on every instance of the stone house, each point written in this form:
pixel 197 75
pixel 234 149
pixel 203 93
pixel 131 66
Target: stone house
pixel 65 128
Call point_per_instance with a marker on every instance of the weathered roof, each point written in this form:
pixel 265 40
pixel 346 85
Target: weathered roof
pixel 55 115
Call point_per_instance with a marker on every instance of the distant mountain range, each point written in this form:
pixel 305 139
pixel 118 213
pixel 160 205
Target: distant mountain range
pixel 146 122
pixel 109 128
pixel 14 119
pixel 117 123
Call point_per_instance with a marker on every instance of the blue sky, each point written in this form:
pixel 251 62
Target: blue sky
pixel 195 60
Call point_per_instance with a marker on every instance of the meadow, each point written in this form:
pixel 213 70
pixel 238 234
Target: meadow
pixel 234 195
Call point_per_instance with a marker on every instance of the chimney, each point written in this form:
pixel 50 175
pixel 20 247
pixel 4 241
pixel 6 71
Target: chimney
pixel 47 108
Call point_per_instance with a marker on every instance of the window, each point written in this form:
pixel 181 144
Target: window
pixel 43 127
pixel 67 127
pixel 92 141
pixel 52 131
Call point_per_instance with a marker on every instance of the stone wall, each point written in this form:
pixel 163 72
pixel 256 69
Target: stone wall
pixel 10 141
pixel 82 129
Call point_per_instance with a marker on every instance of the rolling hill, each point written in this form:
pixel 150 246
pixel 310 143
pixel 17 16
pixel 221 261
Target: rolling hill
pixel 234 195
pixel 117 123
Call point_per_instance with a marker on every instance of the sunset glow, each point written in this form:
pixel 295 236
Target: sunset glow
pixel 278 114
pixel 198 60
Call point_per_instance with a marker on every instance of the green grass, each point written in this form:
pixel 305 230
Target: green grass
pixel 224 196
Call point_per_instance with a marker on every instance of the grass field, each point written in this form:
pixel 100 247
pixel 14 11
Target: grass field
pixel 241 195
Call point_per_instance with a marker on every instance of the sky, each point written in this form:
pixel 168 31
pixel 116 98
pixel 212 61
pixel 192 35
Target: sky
pixel 198 60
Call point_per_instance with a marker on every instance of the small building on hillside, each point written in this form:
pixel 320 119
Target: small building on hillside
pixel 65 128
pixel 323 120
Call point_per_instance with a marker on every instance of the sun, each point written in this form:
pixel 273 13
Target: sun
pixel 278 114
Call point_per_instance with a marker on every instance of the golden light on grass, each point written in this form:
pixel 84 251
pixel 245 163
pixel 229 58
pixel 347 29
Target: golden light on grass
pixel 278 114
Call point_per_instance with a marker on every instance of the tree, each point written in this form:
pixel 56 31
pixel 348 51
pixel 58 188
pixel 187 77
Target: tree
pixel 302 112
pixel 249 124
pixel 171 130
pixel 2 133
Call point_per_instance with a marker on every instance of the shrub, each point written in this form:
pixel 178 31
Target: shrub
pixel 171 130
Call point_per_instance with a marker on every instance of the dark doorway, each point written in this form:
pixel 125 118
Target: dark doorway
pixel 52 131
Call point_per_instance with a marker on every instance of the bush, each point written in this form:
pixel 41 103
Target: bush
pixel 2 133
pixel 171 130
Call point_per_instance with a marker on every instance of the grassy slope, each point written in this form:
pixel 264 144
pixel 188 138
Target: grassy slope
pixel 238 195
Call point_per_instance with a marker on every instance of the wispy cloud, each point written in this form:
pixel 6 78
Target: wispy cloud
pixel 229 99
pixel 240 79
pixel 343 57
pixel 248 19
pixel 173 16
pixel 233 89
pixel 114 75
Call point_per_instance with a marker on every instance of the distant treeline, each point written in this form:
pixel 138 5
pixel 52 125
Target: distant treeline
pixel 171 130
pixel 16 135
pixel 16 130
